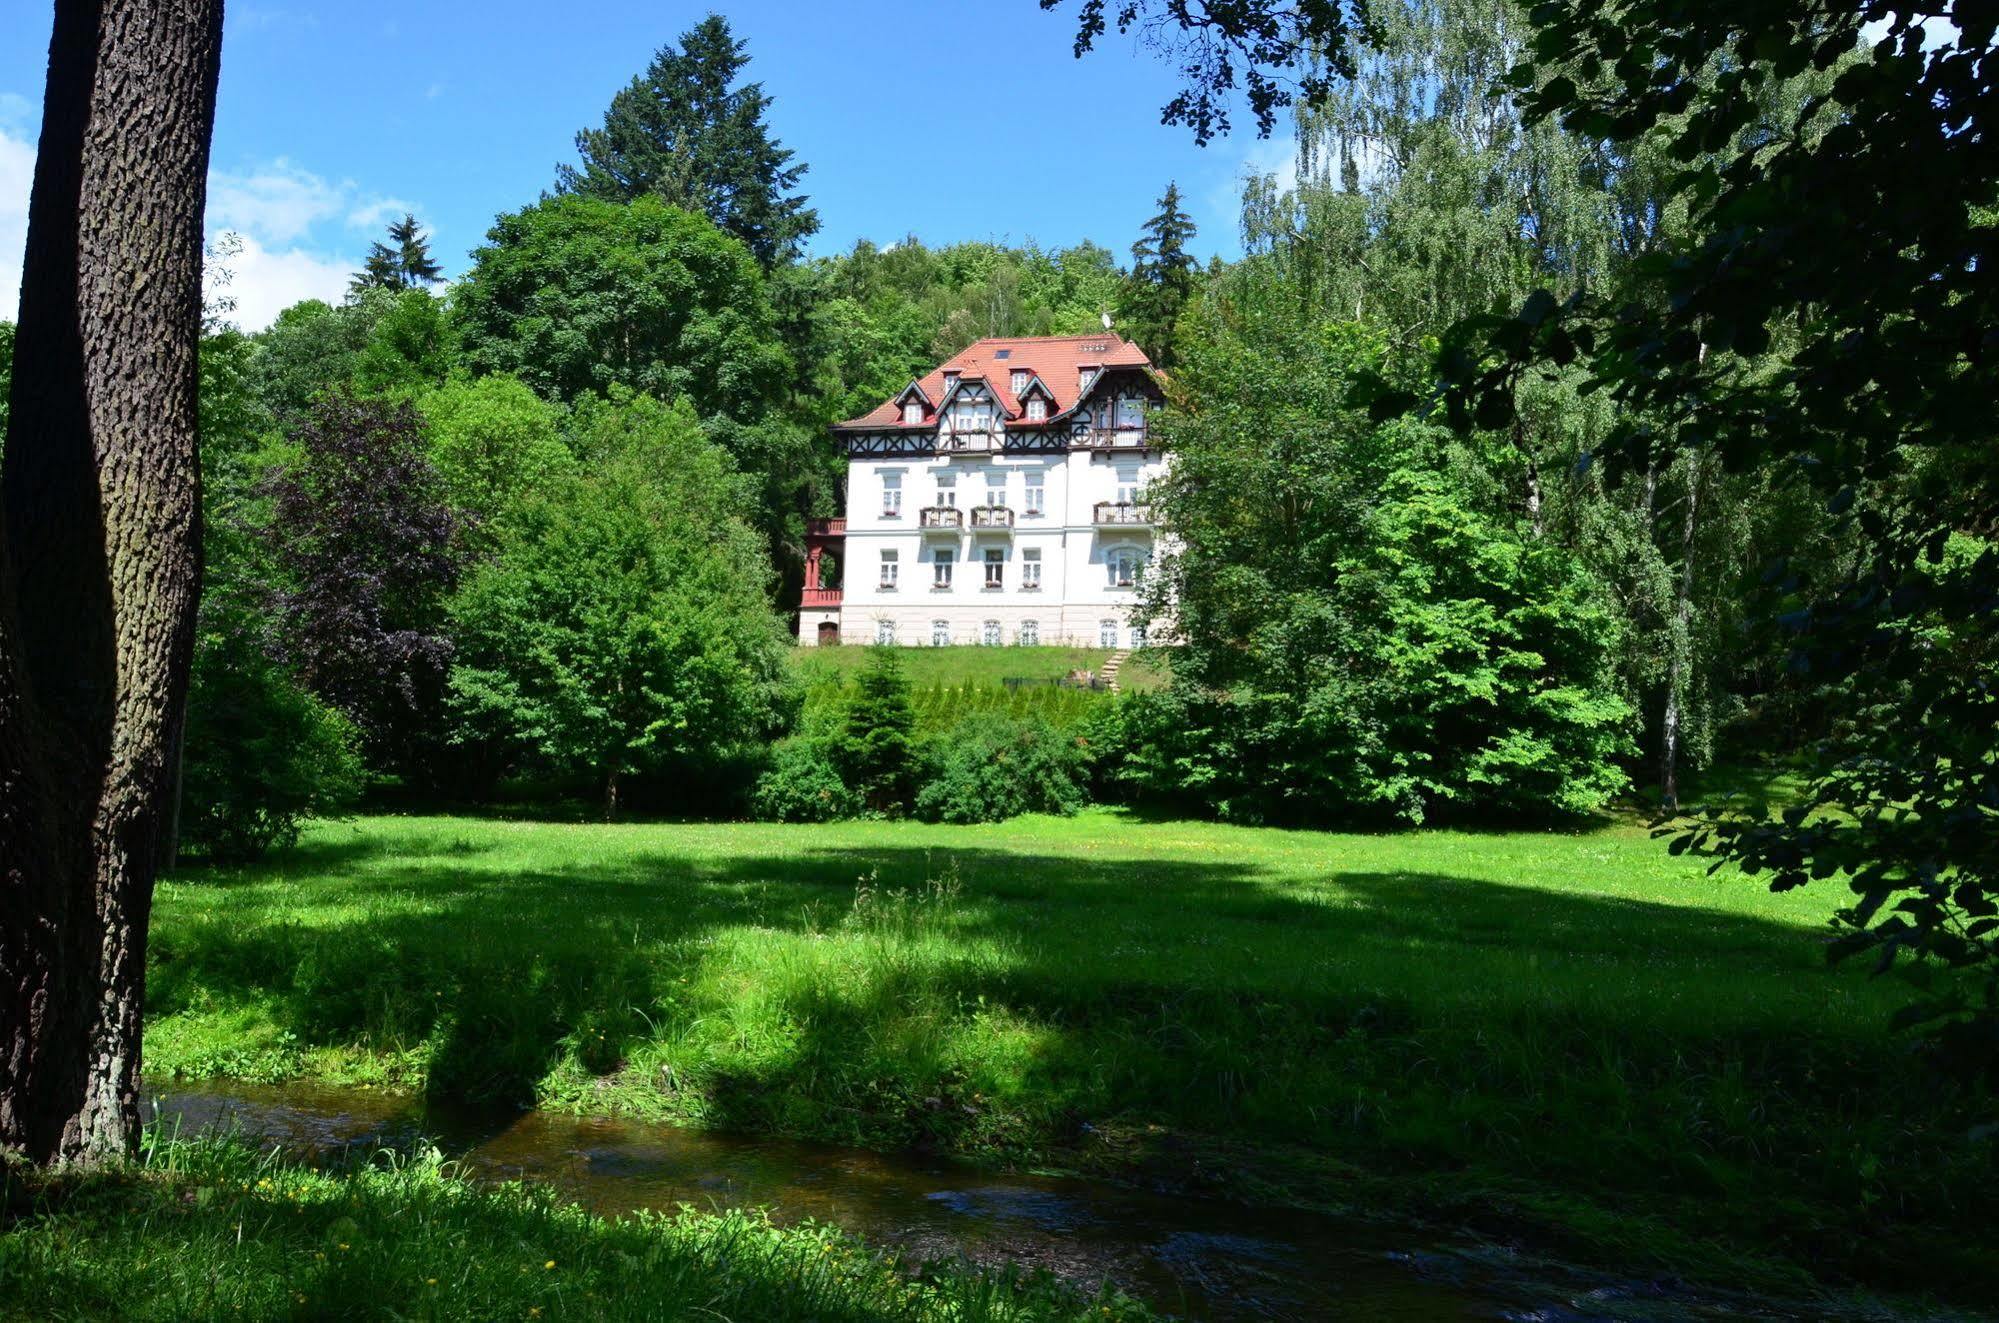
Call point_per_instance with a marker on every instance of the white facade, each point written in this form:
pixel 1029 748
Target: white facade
pixel 1002 499
pixel 1045 548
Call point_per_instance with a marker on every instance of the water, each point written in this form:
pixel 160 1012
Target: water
pixel 1195 1258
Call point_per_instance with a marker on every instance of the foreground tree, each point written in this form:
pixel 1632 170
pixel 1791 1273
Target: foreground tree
pixel 685 133
pixel 1854 350
pixel 100 561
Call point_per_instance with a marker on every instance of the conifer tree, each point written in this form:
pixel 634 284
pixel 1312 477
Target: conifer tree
pixel 684 132
pixel 402 263
pixel 1162 277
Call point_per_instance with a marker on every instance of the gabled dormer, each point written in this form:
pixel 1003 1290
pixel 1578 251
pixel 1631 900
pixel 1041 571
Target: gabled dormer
pixel 913 406
pixel 1037 401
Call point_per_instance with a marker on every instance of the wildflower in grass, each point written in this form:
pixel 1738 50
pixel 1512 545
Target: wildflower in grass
pixel 546 1266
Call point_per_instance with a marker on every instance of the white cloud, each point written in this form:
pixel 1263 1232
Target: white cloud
pixel 17 173
pixel 264 282
pixel 276 203
pixel 302 235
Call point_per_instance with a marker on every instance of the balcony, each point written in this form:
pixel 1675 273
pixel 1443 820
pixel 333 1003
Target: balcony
pixel 1123 514
pixel 968 443
pixel 820 597
pixel 945 517
pixel 1118 438
pixel 995 518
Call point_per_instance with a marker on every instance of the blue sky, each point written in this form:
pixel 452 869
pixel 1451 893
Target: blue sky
pixel 957 119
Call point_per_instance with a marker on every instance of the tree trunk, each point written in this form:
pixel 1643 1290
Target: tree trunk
pixel 1680 643
pixel 100 546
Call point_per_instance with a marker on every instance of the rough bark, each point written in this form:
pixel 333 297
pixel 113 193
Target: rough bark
pixel 100 547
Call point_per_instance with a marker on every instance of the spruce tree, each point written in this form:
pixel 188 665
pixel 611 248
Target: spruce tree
pixel 684 132
pixel 874 750
pixel 1162 278
pixel 402 263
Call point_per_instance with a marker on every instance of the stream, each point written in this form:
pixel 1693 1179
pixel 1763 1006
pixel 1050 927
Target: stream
pixel 1189 1257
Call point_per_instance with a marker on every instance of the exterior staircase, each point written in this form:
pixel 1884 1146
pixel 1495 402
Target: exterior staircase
pixel 1112 665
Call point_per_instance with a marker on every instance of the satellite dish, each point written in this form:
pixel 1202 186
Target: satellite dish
pixel 1107 321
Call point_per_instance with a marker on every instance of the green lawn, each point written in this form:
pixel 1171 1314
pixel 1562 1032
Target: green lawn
pixel 1575 1034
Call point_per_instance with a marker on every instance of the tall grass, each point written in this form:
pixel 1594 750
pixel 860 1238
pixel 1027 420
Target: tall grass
pixel 1573 1031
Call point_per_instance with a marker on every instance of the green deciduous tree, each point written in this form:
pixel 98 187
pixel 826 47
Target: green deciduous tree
pixel 576 294
pixel 622 625
pixel 1366 632
pixel 495 443
pixel 688 133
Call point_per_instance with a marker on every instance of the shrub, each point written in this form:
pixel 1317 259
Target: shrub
pixel 262 754
pixel 989 768
pixel 802 785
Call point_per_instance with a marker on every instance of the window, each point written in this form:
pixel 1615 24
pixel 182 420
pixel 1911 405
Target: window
pixel 891 567
pixel 989 634
pixel 1020 378
pixel 892 496
pixel 1123 566
pixel 940 633
pixel 947 490
pixel 1030 633
pixel 996 487
pixel 1107 633
pixel 1037 410
pixel 1127 488
pixel 884 631
pixel 1035 493
pixel 1030 568
pixel 941 569
pixel 1130 413
pixel 912 412
pixel 995 567
pixel 1138 636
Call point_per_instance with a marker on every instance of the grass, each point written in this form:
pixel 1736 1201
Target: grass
pixel 1573 1034
pixel 210 1230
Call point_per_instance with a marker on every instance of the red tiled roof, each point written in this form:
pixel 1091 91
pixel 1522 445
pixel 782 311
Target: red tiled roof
pixel 1054 358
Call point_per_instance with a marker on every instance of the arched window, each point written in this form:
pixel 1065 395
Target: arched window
pixel 1107 633
pixel 940 633
pixel 1030 633
pixel 989 634
pixel 884 631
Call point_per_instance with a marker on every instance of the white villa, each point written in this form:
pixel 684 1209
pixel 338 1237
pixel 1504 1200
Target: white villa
pixel 1000 499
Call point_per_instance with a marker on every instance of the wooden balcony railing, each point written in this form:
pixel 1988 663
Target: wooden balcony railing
pixel 1123 512
pixel 991 516
pixel 1119 438
pixel 940 516
pixel 821 597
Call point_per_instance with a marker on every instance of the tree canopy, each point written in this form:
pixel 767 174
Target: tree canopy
pixel 691 134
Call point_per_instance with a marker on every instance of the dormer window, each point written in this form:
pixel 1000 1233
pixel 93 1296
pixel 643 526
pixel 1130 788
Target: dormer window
pixel 1037 410
pixel 1020 379
pixel 912 412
